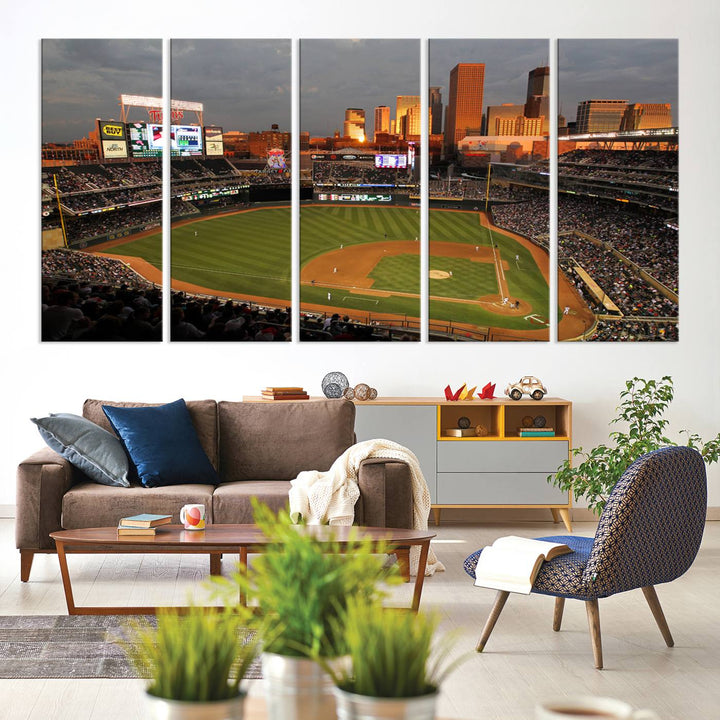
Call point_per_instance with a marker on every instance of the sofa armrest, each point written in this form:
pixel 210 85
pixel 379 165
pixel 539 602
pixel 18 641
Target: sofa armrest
pixel 386 493
pixel 42 480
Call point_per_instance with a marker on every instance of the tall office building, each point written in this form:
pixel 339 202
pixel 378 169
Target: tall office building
pixel 382 120
pixel 436 110
pixel 502 119
pixel 402 105
pixel 644 116
pixel 354 125
pixel 537 100
pixel 465 102
pixel 599 115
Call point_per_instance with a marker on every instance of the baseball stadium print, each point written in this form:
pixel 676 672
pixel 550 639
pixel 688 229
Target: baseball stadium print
pixel 618 190
pixel 230 189
pixel 489 191
pixel 101 192
pixel 360 122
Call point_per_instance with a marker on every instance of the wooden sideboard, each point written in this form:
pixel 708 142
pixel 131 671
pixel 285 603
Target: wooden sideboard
pixel 496 470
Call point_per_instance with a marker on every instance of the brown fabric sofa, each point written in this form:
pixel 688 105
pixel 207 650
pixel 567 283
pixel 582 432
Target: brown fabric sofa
pixel 256 448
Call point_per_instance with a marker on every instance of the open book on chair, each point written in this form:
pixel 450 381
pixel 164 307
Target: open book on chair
pixel 512 563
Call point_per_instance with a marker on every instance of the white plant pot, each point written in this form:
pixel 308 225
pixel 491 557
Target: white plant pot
pixel 363 707
pixel 296 688
pixel 162 709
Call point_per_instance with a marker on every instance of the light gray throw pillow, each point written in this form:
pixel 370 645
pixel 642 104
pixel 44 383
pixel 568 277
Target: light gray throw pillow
pixel 98 453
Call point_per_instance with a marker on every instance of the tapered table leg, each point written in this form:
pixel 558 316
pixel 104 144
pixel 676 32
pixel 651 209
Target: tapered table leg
pixel 500 600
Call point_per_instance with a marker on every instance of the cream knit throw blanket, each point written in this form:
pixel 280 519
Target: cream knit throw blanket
pixel 329 497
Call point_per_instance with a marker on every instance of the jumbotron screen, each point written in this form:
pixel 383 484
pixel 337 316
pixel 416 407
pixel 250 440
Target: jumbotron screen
pixel 390 161
pixel 145 140
pixel 186 140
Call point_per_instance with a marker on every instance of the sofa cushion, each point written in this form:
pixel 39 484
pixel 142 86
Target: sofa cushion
pixel 232 502
pixel 90 448
pixel 202 412
pixel 162 443
pixel 261 440
pixel 90 505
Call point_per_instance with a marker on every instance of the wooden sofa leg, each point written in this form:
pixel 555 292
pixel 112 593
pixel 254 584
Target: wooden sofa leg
pixel 557 615
pixel 26 561
pixel 500 600
pixel 654 603
pixel 593 615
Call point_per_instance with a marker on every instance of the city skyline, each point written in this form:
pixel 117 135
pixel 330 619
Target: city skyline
pixel 360 73
pixel 641 71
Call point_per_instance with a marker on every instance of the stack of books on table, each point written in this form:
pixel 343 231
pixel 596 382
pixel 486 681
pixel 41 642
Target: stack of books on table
pixel 284 393
pixel 143 524
pixel 536 432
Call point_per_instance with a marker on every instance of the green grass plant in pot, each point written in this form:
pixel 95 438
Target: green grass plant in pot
pixel 641 411
pixel 195 659
pixel 395 669
pixel 302 586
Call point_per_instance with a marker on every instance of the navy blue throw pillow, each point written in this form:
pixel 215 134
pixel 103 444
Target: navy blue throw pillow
pixel 163 444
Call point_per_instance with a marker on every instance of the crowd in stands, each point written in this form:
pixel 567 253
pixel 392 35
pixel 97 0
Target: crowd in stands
pixel 619 281
pixel 91 298
pixel 659 159
pixel 193 319
pixel 90 226
pixel 647 240
pixel 634 331
pixel 530 218
pixel 347 173
pixel 329 328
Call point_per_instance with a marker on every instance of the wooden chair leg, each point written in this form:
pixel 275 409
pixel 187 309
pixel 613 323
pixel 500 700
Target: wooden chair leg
pixel 26 561
pixel 500 600
pixel 654 603
pixel 593 615
pixel 557 615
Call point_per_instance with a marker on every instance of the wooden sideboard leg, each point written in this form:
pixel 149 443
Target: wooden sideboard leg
pixel 436 514
pixel 26 561
pixel 556 515
pixel 565 515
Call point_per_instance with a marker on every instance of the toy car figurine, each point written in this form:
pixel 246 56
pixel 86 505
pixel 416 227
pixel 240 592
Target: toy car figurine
pixel 526 385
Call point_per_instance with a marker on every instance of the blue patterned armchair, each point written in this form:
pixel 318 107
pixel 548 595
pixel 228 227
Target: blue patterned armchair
pixel 649 533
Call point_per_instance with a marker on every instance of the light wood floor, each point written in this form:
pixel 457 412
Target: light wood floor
pixel 524 659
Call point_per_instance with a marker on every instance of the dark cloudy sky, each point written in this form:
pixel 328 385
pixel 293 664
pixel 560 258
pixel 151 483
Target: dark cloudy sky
pixel 83 79
pixel 244 84
pixel 644 71
pixel 338 74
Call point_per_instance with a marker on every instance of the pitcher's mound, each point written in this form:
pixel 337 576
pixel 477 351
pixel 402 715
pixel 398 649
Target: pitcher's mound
pixel 438 275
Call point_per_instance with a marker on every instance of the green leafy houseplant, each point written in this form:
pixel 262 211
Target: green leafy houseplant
pixel 642 407
pixel 198 655
pixel 302 585
pixel 392 654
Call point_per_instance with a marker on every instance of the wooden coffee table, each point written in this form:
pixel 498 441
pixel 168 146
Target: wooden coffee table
pixel 214 541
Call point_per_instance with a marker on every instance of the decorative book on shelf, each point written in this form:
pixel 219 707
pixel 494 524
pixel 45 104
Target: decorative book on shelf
pixel 145 520
pixel 284 393
pixel 512 563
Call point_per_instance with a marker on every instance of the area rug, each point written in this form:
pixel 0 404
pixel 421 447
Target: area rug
pixel 68 646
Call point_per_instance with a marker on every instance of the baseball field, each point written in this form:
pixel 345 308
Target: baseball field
pixel 361 260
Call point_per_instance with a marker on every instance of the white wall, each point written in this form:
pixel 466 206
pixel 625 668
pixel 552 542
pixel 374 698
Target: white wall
pixel 37 379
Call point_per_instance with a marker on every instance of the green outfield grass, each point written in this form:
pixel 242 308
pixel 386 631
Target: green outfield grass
pixel 249 253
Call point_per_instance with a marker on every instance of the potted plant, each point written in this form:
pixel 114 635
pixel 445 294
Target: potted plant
pixel 394 670
pixel 302 586
pixel 643 404
pixel 195 659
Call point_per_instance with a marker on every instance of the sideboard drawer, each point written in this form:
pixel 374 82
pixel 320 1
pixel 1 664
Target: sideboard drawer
pixel 509 456
pixel 512 488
